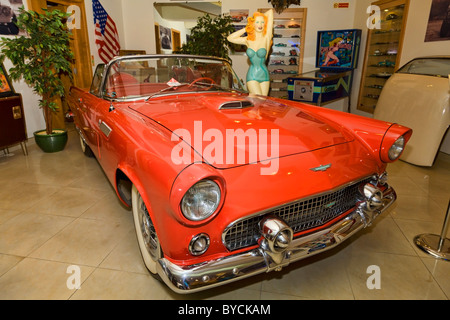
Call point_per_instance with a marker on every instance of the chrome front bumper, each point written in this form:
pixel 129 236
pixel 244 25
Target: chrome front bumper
pixel 193 278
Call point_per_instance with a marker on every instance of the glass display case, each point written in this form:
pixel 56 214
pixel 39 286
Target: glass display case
pixel 383 51
pixel 286 56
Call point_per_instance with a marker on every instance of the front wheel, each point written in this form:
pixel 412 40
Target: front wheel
pixel 145 231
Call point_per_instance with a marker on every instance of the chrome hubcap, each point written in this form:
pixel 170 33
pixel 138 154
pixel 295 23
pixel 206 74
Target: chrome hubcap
pixel 148 231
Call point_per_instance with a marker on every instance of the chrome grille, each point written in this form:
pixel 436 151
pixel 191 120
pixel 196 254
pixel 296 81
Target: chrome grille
pixel 300 215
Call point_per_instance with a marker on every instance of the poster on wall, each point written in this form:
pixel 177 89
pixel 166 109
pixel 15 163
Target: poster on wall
pixel 9 10
pixel 165 36
pixel 439 21
pixel 239 16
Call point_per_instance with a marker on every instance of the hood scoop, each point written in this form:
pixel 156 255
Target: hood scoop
pixel 236 105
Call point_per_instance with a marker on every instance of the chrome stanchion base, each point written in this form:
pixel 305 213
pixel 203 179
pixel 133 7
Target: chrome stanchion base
pixel 434 245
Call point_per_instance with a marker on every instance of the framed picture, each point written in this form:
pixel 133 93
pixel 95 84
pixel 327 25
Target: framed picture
pixel 9 10
pixel 6 88
pixel 438 28
pixel 165 36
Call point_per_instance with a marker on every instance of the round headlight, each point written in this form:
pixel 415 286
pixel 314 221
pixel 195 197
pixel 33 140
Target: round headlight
pixel 201 200
pixel 397 148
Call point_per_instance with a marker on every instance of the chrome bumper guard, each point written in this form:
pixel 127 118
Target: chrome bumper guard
pixel 276 248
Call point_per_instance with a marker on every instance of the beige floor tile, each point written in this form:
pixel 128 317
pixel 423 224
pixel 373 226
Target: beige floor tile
pixel 120 285
pixel 404 185
pixel 126 256
pixel 39 279
pixel 7 262
pixel 109 208
pixel 94 179
pixel 70 202
pixel 383 236
pixel 318 277
pixel 400 278
pixel 83 242
pixel 20 196
pixel 25 233
pixel 417 207
pixel 6 214
pixel 440 271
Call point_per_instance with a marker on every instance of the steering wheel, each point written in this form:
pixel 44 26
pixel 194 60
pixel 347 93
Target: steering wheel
pixel 203 78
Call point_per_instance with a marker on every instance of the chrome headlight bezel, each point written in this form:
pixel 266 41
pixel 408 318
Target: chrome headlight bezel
pixel 201 200
pixel 396 150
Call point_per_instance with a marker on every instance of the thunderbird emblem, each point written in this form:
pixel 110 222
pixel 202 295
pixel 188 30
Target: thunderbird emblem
pixel 321 168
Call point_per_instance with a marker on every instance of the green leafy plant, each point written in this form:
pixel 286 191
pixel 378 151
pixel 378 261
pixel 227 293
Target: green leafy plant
pixel 281 5
pixel 41 57
pixel 209 37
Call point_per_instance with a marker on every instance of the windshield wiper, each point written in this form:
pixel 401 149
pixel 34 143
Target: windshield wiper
pixel 200 84
pixel 167 89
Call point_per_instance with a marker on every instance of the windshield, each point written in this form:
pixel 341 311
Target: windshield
pixel 437 67
pixel 136 77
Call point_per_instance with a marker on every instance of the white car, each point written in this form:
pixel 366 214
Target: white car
pixel 417 96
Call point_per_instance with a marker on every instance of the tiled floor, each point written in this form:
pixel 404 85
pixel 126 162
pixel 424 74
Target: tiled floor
pixel 58 210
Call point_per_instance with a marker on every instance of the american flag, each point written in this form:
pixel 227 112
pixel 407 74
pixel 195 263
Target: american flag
pixel 106 36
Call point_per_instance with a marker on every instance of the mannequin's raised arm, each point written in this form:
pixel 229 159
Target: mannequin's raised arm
pixel 237 37
pixel 269 15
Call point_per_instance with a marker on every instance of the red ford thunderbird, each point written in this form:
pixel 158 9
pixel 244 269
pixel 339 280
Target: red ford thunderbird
pixel 222 184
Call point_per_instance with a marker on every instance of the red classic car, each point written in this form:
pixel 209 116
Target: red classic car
pixel 222 184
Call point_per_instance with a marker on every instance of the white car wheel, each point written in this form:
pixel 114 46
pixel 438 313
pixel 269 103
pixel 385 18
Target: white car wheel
pixel 145 232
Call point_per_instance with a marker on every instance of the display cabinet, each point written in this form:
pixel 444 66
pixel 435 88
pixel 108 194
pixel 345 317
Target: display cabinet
pixel 12 118
pixel 383 51
pixel 286 57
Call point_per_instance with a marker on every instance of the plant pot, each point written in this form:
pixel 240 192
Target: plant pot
pixel 51 143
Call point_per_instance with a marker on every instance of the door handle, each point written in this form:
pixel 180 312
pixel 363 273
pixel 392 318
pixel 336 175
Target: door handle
pixel 104 128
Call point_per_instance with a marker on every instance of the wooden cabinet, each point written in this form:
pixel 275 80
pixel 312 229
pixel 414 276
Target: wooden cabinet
pixel 383 51
pixel 12 118
pixel 286 57
pixel 12 122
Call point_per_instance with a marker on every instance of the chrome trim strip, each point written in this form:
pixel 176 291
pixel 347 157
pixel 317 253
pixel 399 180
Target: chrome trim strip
pixel 193 278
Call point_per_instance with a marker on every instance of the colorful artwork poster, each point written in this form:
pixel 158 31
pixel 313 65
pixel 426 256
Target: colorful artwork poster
pixel 239 16
pixel 336 49
pixel 4 84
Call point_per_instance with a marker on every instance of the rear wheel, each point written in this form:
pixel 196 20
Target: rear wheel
pixel 85 148
pixel 145 232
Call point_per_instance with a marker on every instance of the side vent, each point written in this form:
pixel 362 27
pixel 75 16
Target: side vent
pixel 233 105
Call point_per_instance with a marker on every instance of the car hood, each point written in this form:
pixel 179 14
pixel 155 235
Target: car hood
pixel 215 125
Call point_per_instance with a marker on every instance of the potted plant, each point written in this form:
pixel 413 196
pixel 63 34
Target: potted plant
pixel 209 37
pixel 40 58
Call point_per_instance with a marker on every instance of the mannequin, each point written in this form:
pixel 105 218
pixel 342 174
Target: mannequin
pixel 259 42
